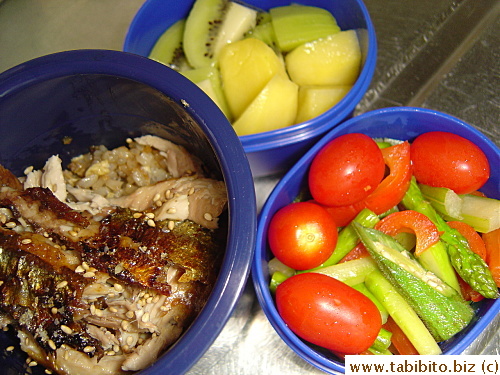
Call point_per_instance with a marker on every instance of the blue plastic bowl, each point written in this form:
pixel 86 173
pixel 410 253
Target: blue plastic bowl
pixel 274 151
pixel 397 123
pixel 102 97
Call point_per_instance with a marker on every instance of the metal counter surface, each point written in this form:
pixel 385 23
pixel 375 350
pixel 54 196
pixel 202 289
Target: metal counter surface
pixel 437 54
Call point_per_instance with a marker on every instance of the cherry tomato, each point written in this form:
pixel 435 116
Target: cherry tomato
pixel 448 160
pixel 302 235
pixel 328 313
pixel 346 170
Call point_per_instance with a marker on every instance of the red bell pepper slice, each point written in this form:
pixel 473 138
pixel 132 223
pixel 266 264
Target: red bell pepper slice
pixel 410 221
pixel 492 243
pixel 388 193
pixel 394 186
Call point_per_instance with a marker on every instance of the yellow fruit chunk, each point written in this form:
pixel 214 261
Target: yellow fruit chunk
pixel 334 60
pixel 246 66
pixel 315 100
pixel 274 107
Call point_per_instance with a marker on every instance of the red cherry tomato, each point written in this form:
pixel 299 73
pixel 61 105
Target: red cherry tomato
pixel 448 160
pixel 328 313
pixel 346 170
pixel 302 235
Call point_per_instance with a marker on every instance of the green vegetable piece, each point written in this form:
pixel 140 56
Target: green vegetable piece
pixel 383 311
pixel 468 265
pixel 437 260
pixel 402 313
pixel 348 238
pixel 276 279
pixel 444 200
pixel 298 24
pixel 383 341
pixel 440 307
pixel 351 273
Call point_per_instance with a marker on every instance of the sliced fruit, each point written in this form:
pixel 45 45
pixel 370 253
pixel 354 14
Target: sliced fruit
pixel 334 60
pixel 210 25
pixel 273 108
pixel 208 79
pixel 246 67
pixel 315 100
pixel 298 24
pixel 168 48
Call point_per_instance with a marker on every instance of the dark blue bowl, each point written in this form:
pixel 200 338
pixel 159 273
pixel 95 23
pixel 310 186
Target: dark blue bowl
pixel 103 97
pixel 397 123
pixel 274 151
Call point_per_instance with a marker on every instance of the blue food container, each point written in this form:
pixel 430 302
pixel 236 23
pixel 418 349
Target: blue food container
pixel 274 151
pixel 95 97
pixel 397 123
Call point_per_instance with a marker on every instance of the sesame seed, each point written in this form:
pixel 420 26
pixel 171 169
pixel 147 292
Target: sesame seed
pixel 116 348
pixel 207 216
pixel 171 225
pixel 130 314
pixel 92 309
pixel 172 210
pixel 79 269
pixel 145 317
pixel 32 363
pixel 28 170
pixel 124 324
pixel 130 340
pixel 45 234
pixel 10 348
pixel 66 329
pixel 118 287
pixel 52 345
pixel 159 203
pixel 110 352
pixel 168 194
pixel 99 312
pixel 88 349
pixel 151 215
pixel 26 241
pixel 151 223
pixel 1 282
pixel 11 224
pixel 156 197
pixel 73 233
pixel 137 215
pixel 53 310
pixel 113 309
pixel 149 300
pixel 47 371
pixel 191 191
pixel 85 266
pixel 62 284
pixel 125 348
pixel 88 274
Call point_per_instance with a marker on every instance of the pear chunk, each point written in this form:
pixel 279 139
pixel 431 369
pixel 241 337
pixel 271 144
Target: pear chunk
pixel 334 60
pixel 274 107
pixel 316 100
pixel 246 66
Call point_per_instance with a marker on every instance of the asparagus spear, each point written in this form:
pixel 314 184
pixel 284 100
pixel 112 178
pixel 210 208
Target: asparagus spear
pixel 441 308
pixel 468 265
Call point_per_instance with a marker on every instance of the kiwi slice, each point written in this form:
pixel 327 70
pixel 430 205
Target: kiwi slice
pixel 297 24
pixel 210 25
pixel 264 31
pixel 208 79
pixel 168 48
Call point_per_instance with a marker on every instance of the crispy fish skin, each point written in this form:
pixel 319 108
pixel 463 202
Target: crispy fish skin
pixel 42 299
pixel 132 250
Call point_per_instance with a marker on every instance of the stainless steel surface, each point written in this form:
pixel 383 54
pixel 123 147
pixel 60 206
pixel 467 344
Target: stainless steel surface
pixel 438 54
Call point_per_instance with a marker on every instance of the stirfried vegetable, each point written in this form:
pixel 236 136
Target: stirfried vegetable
pixel 468 265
